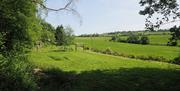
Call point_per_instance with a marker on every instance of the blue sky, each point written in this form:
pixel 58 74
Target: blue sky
pixel 99 16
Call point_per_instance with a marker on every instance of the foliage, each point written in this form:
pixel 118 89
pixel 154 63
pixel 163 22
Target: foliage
pixel 176 60
pixel 144 40
pixel 16 18
pixel 90 35
pixel 166 10
pixel 47 33
pixel 69 39
pixel 18 21
pixel 2 40
pixel 60 35
pixel 16 74
pixel 64 36
pixel 133 38
pixel 114 38
pixel 175 36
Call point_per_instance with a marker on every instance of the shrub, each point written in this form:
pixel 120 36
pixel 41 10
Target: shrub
pixel 16 74
pixel 95 50
pixel 172 43
pixel 176 60
pixel 108 51
pixel 116 54
pixel 86 48
pixel 144 40
pixel 141 57
pixel 114 38
pixel 153 58
pixel 133 39
pixel 121 40
pixel 131 56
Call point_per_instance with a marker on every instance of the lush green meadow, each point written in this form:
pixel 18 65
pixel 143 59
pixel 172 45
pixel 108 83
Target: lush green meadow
pixel 159 39
pixel 103 43
pixel 156 39
pixel 84 70
pixel 87 60
pixel 91 71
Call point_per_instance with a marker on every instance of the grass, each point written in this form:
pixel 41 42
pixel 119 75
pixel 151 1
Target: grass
pixel 159 39
pixel 89 71
pixel 84 61
pixel 102 43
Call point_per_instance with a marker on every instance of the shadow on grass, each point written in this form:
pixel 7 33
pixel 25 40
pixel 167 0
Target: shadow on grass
pixel 59 50
pixel 134 79
pixel 58 58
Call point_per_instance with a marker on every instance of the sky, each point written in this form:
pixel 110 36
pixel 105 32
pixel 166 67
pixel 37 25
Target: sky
pixel 100 16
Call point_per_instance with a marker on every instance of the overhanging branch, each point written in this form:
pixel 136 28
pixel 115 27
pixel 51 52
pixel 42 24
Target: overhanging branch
pixel 67 7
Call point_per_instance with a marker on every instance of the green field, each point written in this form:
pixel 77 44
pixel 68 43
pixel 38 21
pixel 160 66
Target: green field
pixel 159 39
pixel 103 43
pixel 99 72
pixel 84 70
pixel 156 39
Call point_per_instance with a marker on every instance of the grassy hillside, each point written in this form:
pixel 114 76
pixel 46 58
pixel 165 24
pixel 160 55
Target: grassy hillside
pixel 88 71
pixel 159 39
pixel 86 60
pixel 102 43
pixel 156 39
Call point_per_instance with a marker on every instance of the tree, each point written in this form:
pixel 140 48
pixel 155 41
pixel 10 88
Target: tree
pixel 47 33
pixel 60 35
pixel 167 11
pixel 17 17
pixel 64 36
pixel 69 39
pixel 19 27
pixel 144 40
pixel 133 38
pixel 175 33
pixel 17 20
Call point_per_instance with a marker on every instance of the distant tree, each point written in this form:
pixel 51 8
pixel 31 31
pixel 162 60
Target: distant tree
pixel 175 36
pixel 144 40
pixel 69 36
pixel 114 38
pixel 64 36
pixel 60 35
pixel 133 38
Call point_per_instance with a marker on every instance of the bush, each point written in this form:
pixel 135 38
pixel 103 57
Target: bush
pixel 144 40
pixel 133 39
pixel 86 48
pixel 16 74
pixel 95 50
pixel 108 51
pixel 122 40
pixel 114 38
pixel 172 43
pixel 176 60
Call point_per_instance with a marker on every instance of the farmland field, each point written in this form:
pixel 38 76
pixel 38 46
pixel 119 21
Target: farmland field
pixel 101 72
pixel 156 39
pixel 103 43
